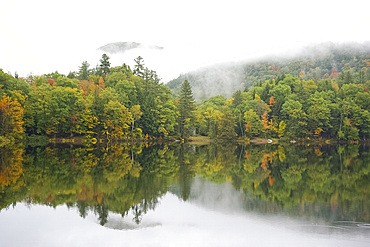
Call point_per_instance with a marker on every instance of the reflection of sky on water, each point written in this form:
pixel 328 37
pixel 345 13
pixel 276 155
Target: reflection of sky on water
pixel 213 216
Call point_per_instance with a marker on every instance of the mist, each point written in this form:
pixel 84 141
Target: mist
pixel 40 37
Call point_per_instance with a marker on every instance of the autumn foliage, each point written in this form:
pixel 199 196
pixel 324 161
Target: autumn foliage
pixel 11 117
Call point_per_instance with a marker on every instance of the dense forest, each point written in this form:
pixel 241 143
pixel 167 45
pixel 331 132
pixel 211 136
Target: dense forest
pixel 111 103
pixel 290 107
pixel 101 103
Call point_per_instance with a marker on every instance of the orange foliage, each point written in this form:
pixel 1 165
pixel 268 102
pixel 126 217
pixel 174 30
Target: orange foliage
pixel 271 180
pixel 350 122
pixel 265 120
pixel 318 131
pixel 101 83
pixel 268 157
pixel 271 101
pixel 87 87
pixel 265 161
pixel 51 82
pixel 50 198
pixel 247 155
pixel 4 104
pixel 318 152
pixel 99 197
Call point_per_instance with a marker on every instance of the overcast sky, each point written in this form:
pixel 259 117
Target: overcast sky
pixel 41 36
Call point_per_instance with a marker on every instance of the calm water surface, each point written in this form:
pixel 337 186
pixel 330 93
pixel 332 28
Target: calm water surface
pixel 185 195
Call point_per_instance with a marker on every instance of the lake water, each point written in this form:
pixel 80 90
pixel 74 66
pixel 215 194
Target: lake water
pixel 185 195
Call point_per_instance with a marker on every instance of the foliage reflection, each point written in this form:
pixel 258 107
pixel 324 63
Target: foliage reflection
pixel 329 182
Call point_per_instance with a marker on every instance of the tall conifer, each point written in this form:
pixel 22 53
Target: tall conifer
pixel 186 108
pixel 104 65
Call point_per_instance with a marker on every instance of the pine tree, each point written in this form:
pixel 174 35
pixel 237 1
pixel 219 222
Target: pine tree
pixel 139 66
pixel 84 71
pixel 186 108
pixel 104 64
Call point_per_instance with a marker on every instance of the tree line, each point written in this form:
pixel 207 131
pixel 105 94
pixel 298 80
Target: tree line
pixel 108 103
pixel 102 103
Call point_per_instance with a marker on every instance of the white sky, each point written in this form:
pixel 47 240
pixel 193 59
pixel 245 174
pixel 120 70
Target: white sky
pixel 172 223
pixel 41 36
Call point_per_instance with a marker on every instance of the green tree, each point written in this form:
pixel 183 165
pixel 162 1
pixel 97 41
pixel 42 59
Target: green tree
pixel 227 130
pixel 280 93
pixel 65 104
pixel 37 112
pixel 8 84
pixel 139 66
pixel 238 106
pixel 318 115
pixel 294 117
pixel 84 71
pixel 186 108
pixel 104 65
pixel 349 131
pixel 254 125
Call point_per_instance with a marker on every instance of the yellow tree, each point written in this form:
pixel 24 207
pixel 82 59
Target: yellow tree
pixel 281 130
pixel 11 117
pixel 117 119
pixel 101 83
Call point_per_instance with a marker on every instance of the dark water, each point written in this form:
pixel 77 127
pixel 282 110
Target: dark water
pixel 185 195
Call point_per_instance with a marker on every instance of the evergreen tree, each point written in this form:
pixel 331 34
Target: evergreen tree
pixel 84 71
pixel 139 66
pixel 71 75
pixel 237 98
pixel 348 78
pixel 186 108
pixel 104 64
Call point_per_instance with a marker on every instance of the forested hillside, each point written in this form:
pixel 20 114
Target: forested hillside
pixel 108 103
pixel 325 61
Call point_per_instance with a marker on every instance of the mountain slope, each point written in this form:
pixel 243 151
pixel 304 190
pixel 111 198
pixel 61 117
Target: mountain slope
pixel 324 61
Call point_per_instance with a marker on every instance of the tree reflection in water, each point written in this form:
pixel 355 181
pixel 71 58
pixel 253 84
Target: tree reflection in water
pixel 330 182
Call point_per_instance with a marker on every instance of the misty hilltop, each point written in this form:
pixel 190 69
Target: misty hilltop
pixel 323 61
pixel 122 47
